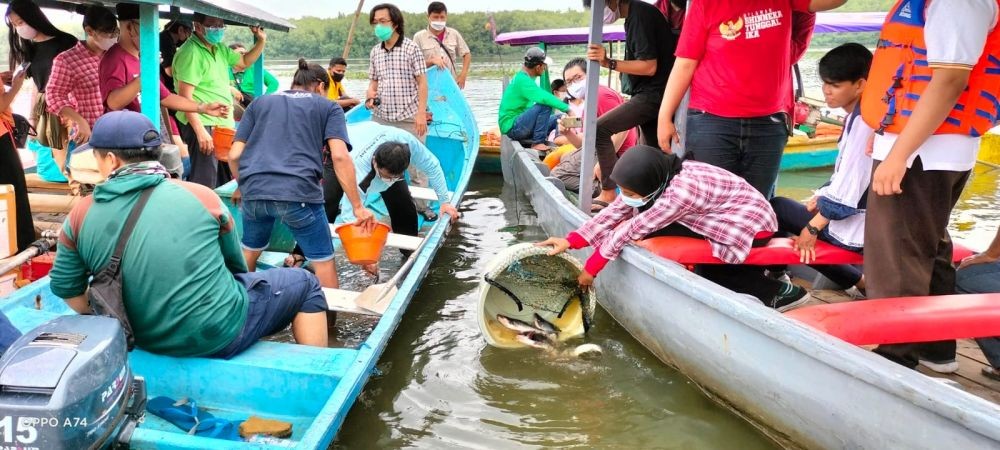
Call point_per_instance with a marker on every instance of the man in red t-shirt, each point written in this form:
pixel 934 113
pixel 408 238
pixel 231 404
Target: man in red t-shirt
pixel 737 59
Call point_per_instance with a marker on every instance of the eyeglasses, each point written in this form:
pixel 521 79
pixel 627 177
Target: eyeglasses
pixel 579 77
pixel 382 22
pixel 386 180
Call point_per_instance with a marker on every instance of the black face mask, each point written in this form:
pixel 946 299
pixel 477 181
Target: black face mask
pixel 338 77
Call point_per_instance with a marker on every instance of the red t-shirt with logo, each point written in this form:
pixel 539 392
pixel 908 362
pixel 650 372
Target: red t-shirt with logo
pixel 743 48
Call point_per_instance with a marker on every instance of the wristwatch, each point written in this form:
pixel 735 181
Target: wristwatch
pixel 612 64
pixel 812 230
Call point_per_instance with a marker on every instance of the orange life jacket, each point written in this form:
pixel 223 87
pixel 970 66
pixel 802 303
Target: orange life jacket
pixel 900 73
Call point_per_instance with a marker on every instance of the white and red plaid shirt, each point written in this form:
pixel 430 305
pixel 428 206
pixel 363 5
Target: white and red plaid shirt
pixel 710 201
pixel 74 83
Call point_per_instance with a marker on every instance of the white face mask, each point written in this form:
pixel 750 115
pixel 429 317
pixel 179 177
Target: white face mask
pixel 438 25
pixel 26 32
pixel 105 43
pixel 610 15
pixel 577 89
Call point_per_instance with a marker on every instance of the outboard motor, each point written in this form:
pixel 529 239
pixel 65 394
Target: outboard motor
pixel 67 385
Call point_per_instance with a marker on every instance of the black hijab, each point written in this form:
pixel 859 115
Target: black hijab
pixel 645 170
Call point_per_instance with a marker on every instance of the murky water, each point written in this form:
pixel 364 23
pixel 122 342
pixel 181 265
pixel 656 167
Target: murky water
pixel 441 386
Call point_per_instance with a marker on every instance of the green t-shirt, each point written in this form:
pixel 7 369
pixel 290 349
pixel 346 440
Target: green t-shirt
pixel 523 93
pixel 208 71
pixel 177 269
pixel 248 83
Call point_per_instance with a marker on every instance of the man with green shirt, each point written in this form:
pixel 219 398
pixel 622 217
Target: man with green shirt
pixel 243 80
pixel 185 284
pixel 526 108
pixel 201 72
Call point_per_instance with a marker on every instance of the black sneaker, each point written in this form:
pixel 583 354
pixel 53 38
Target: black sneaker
pixel 795 296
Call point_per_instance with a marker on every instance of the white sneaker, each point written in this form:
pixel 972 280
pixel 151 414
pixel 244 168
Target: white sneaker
pixel 855 293
pixel 940 367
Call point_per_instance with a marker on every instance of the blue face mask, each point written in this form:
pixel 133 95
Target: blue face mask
pixel 215 35
pixel 635 202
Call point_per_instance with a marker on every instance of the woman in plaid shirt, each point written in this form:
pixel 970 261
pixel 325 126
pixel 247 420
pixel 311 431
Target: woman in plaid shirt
pixel 73 91
pixel 663 196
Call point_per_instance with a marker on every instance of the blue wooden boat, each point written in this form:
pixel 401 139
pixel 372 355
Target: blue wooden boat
pixel 312 388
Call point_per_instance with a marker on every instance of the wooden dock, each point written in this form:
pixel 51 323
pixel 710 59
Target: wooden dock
pixel 970 358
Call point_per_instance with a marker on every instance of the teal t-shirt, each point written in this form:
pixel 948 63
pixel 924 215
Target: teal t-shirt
pixel 178 267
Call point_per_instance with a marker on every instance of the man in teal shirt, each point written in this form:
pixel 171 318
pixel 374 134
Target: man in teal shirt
pixel 243 77
pixel 526 108
pixel 201 73
pixel 186 289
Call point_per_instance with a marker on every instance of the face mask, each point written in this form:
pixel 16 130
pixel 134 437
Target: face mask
pixel 215 35
pixel 384 179
pixel 635 202
pixel 438 25
pixel 577 89
pixel 105 43
pixel 610 16
pixel 26 32
pixel 338 77
pixel 383 32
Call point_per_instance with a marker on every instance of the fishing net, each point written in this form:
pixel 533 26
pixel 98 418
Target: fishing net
pixel 523 280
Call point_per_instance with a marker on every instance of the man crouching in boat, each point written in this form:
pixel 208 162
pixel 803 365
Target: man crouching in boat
pixel 382 154
pixel 185 285
pixel 663 196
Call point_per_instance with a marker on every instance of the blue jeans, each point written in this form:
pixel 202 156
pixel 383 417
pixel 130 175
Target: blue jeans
pixel 748 147
pixel 307 221
pixel 535 124
pixel 275 297
pixel 792 218
pixel 982 279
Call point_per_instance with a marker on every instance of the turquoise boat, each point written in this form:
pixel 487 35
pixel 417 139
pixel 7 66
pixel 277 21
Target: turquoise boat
pixel 311 388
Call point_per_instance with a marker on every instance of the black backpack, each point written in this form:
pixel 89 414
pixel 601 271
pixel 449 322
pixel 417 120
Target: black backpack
pixel 22 130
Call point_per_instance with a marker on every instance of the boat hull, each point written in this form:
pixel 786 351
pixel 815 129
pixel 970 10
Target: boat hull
pixel 802 387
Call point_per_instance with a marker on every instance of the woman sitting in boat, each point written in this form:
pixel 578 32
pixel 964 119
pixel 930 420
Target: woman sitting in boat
pixel 836 214
pixel 663 196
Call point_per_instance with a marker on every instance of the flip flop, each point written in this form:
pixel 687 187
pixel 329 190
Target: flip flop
pixel 600 204
pixel 185 415
pixel 297 260
pixel 991 373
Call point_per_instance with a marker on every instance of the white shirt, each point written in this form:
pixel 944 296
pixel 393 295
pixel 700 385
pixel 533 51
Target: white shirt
pixel 947 47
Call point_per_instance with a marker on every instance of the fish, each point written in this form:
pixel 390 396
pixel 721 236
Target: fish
pixel 537 340
pixel 546 326
pixel 517 325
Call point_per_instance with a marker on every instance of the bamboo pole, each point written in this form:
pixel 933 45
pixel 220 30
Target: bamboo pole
pixel 354 23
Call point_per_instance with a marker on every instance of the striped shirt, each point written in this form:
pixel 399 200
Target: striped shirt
pixel 395 70
pixel 74 83
pixel 710 201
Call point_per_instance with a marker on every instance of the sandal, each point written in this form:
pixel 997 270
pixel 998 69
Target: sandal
pixel 991 373
pixel 295 260
pixel 185 415
pixel 429 215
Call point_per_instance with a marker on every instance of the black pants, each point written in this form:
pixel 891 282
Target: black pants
pixel 745 279
pixel 205 169
pixel 641 111
pixel 750 148
pixel 12 173
pixel 911 255
pixel 792 218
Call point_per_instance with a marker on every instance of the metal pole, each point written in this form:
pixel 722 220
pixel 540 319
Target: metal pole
pixel 258 74
pixel 149 61
pixel 590 110
pixel 350 33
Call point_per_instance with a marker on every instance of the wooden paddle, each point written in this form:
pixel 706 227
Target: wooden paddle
pixel 374 297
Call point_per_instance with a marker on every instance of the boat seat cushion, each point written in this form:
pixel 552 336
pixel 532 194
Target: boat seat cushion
pixel 779 251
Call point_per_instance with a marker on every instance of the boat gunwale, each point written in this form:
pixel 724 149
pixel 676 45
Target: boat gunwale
pixel 974 413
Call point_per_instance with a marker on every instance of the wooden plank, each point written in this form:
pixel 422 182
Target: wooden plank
pixel 403 242
pixel 341 300
pixel 51 203
pixel 36 182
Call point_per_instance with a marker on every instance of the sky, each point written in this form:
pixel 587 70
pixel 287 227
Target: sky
pixel 291 9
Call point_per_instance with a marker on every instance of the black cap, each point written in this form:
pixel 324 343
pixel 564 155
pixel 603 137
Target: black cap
pixel 535 56
pixel 127 11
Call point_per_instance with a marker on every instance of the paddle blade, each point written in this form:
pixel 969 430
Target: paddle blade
pixel 377 297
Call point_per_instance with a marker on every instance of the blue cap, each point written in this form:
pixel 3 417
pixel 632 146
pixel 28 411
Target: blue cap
pixel 124 129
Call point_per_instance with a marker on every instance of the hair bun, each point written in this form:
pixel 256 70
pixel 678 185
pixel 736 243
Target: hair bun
pixel 303 64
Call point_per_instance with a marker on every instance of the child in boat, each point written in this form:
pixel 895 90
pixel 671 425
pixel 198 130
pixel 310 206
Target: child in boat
pixel 980 274
pixel 663 196
pixel 836 214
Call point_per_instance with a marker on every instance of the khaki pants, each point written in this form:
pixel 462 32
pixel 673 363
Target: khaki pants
pixel 908 250
pixel 417 178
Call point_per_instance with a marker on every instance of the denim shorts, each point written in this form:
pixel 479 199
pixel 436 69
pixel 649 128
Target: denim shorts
pixel 274 298
pixel 307 221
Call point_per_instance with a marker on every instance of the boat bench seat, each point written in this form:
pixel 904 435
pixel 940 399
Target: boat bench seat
pixel 422 193
pixel 400 241
pixel 779 251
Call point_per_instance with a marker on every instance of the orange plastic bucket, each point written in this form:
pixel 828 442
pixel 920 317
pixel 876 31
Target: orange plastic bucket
pixel 362 248
pixel 222 137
